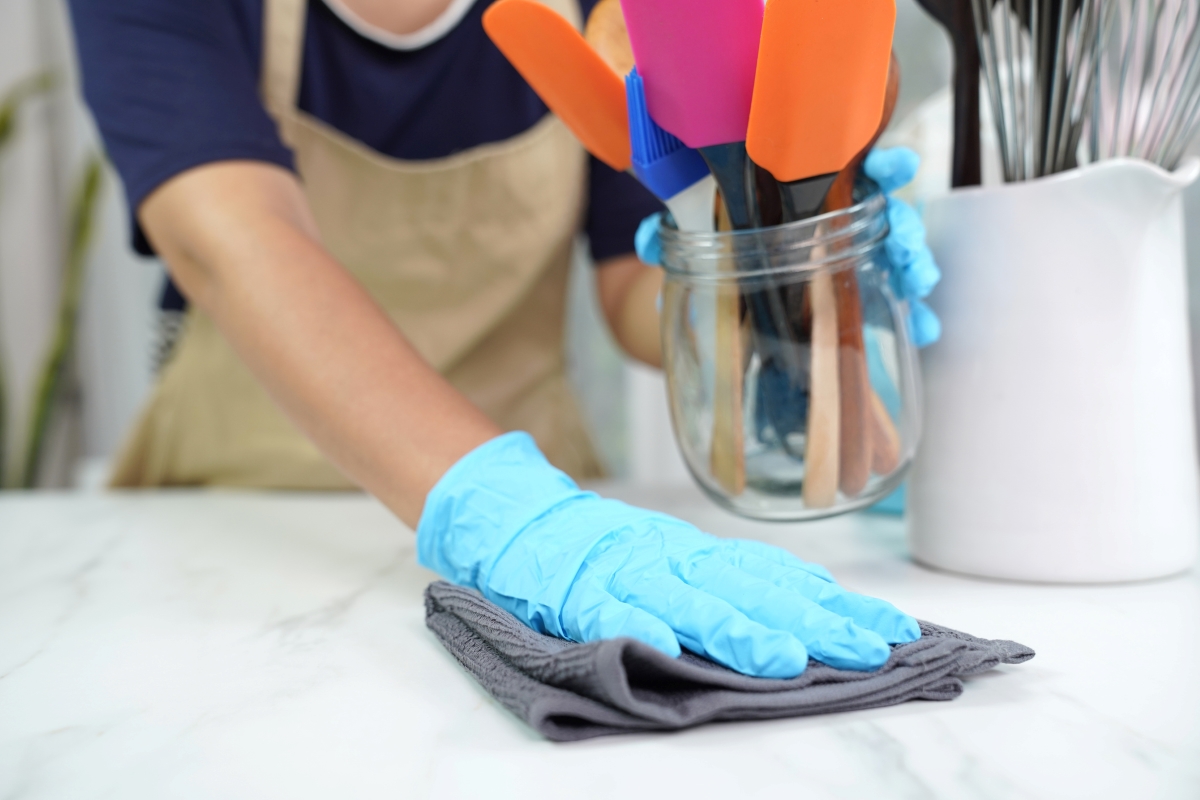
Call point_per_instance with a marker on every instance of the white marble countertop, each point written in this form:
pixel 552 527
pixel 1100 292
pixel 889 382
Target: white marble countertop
pixel 226 645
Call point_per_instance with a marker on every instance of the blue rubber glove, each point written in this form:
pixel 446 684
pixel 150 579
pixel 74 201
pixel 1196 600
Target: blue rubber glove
pixel 646 241
pixel 571 564
pixel 913 273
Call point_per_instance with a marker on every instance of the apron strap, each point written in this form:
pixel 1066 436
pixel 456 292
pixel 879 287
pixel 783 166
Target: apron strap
pixel 283 48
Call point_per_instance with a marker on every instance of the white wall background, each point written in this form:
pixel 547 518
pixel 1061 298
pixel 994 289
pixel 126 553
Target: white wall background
pixel 626 403
pixel 37 175
pixel 31 191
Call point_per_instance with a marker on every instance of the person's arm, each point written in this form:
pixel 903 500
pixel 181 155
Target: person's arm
pixel 489 510
pixel 628 291
pixel 240 241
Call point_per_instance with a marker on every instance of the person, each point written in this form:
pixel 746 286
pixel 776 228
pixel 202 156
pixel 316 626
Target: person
pixel 369 217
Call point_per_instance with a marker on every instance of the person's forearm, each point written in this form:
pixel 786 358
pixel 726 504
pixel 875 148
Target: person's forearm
pixel 245 250
pixel 629 293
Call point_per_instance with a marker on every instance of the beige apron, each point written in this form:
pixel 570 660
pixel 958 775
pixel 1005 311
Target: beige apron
pixel 468 255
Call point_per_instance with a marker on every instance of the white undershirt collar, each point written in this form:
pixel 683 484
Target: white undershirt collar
pixel 435 30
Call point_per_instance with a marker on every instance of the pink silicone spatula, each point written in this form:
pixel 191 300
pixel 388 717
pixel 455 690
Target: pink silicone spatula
pixel 697 60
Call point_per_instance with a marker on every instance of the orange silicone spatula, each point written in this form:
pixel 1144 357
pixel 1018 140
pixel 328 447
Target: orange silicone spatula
pixel 818 92
pixel 567 74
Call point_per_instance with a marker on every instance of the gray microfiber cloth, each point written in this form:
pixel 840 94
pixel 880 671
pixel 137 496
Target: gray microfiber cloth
pixel 570 691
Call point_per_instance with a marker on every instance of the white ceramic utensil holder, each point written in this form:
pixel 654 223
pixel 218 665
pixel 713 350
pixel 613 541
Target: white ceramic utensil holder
pixel 1059 440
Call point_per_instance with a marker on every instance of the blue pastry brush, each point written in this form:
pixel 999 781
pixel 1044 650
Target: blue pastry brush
pixel 674 172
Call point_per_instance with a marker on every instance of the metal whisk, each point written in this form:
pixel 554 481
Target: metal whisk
pixel 1040 65
pixel 1147 102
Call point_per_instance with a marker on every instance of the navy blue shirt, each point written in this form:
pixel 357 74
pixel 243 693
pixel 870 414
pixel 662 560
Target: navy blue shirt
pixel 174 84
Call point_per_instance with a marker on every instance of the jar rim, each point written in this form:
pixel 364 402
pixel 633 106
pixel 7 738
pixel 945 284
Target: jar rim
pixel 772 242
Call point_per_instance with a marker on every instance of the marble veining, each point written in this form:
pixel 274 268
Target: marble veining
pixel 237 645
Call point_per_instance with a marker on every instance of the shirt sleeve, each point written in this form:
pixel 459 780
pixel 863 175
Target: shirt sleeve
pixel 617 204
pixel 173 84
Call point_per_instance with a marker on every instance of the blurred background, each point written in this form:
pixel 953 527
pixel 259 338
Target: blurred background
pixel 77 318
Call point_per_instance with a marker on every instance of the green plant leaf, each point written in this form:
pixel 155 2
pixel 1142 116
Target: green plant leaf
pixel 37 84
pixel 81 233
pixel 10 105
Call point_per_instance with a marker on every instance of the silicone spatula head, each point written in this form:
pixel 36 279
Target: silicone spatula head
pixel 566 73
pixel 697 60
pixel 820 84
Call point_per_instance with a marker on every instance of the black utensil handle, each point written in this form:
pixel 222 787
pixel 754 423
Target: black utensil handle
pixel 966 166
pixel 731 168
pixel 803 198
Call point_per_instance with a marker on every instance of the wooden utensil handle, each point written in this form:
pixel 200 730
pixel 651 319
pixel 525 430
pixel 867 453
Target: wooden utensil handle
pixel 727 453
pixel 885 439
pixel 859 431
pixel 823 443
pixel 855 432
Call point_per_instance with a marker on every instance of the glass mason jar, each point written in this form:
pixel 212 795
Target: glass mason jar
pixel 791 377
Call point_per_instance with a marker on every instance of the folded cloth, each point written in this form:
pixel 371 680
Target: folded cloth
pixel 570 691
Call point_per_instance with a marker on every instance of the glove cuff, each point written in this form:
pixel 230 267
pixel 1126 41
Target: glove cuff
pixel 482 502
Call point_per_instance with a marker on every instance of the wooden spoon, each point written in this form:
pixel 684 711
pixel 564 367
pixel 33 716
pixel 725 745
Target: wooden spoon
pixel 819 93
pixel 854 466
pixel 606 33
pixel 574 82
pixel 727 453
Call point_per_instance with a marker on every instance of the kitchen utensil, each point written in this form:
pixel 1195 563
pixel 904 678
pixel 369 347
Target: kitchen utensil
pixel 1148 98
pixel 820 86
pixel 958 19
pixel 1040 61
pixel 822 451
pixel 697 60
pixel 679 177
pixel 572 80
pixel 855 450
pixel 702 271
pixel 727 458
pixel 674 172
pixel 885 438
pixel 605 31
pixel 819 91
pixel 769 204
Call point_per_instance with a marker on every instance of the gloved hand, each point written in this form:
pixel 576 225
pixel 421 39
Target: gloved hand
pixel 913 273
pixel 571 564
